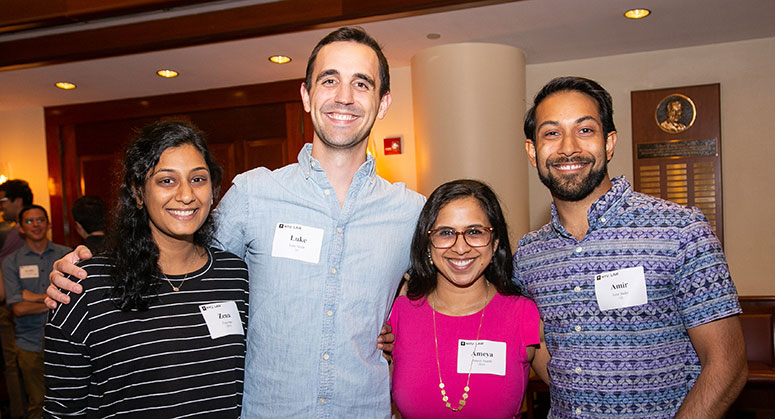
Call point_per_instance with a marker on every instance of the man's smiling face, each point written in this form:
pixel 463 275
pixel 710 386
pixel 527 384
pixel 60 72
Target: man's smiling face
pixel 343 99
pixel 570 150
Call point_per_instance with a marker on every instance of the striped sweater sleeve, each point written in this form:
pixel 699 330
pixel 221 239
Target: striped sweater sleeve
pixel 66 358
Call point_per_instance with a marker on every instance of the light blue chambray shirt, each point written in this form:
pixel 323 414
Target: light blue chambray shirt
pixel 313 327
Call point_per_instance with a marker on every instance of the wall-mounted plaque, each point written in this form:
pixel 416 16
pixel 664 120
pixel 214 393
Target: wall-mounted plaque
pixel 676 153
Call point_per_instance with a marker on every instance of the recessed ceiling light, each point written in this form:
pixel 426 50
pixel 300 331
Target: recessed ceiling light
pixel 433 36
pixel 167 74
pixel 280 59
pixel 65 85
pixel 637 13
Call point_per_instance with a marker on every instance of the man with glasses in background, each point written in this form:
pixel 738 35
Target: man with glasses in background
pixel 14 195
pixel 25 276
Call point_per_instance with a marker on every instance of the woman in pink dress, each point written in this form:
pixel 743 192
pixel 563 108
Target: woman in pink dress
pixel 465 337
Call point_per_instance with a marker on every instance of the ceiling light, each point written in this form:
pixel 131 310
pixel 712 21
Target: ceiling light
pixel 65 85
pixel 637 13
pixel 280 59
pixel 167 74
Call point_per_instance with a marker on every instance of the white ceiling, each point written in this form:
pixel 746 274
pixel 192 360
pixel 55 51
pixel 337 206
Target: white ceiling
pixel 546 30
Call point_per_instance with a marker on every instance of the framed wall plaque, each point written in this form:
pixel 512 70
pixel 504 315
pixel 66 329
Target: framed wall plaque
pixel 676 147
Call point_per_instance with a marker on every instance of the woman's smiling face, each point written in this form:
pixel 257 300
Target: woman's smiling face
pixel 462 265
pixel 178 194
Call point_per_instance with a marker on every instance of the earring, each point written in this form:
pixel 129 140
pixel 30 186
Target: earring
pixel 139 205
pixel 430 259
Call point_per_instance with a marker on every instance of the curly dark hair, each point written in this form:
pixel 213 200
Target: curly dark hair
pixel 423 275
pixel 129 242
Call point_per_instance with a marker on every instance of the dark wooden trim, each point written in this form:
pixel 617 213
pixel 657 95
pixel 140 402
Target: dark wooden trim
pixel 21 15
pixel 217 26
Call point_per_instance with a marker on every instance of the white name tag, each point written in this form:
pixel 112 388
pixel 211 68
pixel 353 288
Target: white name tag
pixel 294 241
pixel 28 271
pixel 489 358
pixel 620 289
pixel 222 319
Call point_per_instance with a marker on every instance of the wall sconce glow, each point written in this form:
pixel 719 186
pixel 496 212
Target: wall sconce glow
pixel 65 85
pixel 3 178
pixel 167 74
pixel 637 13
pixel 280 59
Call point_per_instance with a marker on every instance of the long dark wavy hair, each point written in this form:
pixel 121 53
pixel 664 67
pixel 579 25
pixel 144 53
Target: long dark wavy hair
pixel 423 275
pixel 136 271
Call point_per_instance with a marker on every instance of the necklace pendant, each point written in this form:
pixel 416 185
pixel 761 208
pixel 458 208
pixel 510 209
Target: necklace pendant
pixel 176 289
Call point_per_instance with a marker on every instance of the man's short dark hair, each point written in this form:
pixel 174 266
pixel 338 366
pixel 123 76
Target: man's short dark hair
pixel 90 212
pixel 32 207
pixel 352 34
pixel 573 84
pixel 17 188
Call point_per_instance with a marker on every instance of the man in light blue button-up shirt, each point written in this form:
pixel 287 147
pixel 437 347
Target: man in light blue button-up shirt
pixel 326 241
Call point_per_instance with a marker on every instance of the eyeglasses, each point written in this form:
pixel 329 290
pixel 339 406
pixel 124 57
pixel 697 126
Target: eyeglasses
pixel 444 238
pixel 30 221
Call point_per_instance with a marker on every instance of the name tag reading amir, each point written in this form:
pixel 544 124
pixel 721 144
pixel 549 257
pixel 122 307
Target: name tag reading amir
pixel 489 357
pixel 620 289
pixel 222 319
pixel 294 241
pixel 28 271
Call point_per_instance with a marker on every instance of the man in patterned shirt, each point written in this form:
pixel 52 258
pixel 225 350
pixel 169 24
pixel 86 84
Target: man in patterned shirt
pixel 639 310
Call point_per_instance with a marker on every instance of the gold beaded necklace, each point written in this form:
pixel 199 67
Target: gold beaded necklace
pixel 464 397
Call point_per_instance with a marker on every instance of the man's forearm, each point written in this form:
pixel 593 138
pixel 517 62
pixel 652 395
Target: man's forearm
pixel 32 297
pixel 26 308
pixel 721 349
pixel 713 392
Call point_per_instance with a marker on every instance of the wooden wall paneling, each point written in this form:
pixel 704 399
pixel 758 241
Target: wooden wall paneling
pixel 230 161
pixel 246 126
pixel 71 186
pixel 55 180
pixel 270 153
pixel 693 179
pixel 298 129
pixel 226 125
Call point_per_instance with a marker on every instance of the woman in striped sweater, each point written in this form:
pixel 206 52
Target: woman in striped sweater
pixel 159 328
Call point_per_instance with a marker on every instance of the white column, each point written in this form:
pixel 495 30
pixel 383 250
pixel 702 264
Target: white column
pixel 469 104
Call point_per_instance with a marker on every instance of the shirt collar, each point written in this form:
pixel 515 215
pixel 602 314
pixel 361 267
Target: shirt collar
pixel 602 209
pixel 27 250
pixel 309 164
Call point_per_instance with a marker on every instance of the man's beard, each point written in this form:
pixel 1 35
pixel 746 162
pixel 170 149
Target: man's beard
pixel 573 188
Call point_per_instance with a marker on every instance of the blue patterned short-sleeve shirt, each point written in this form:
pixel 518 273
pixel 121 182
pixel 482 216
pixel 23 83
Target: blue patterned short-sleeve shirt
pixel 634 362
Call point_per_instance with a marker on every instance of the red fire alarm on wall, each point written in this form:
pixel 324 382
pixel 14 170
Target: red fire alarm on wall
pixel 392 145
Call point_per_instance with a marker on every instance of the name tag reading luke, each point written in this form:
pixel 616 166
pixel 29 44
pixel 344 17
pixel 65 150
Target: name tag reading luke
pixel 28 271
pixel 620 289
pixel 294 241
pixel 222 319
pixel 489 357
